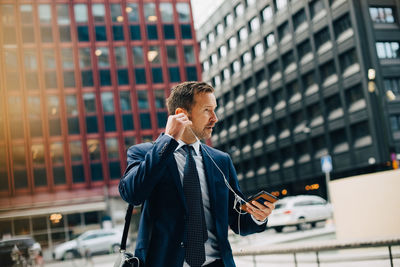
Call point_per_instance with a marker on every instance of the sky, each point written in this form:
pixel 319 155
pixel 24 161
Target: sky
pixel 202 9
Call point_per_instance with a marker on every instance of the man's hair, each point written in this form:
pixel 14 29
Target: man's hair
pixel 182 95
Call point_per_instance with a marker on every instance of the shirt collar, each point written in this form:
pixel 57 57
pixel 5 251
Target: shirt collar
pixel 195 145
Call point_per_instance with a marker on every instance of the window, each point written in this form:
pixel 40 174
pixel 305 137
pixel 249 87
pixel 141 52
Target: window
pixel 269 40
pixel 31 75
pixel 189 53
pixel 239 10
pixel 347 60
pixel 314 115
pixel 243 34
pixel 219 29
pixel 222 51
pixel 232 42
pixel 103 60
pixel 67 60
pixel 8 24
pixel 49 62
pixel 35 116
pixel 143 102
pixel 53 113
pixel 280 4
pixel 258 50
pixel 186 31
pixel 283 31
pixel 72 114
pixel 122 65
pixel 235 66
pixel 171 54
pixel 166 11
pixel 228 19
pixel 85 64
pixel 321 38
pixel 145 121
pixel 132 10
pixel 273 68
pixel 126 110
pixel 45 20
pixel 288 59
pixel 210 37
pixel 183 10
pixel 361 134
pixel 254 24
pixel 395 122
pixel 334 108
pixel 15 117
pixel 266 13
pixel 99 13
pixel 327 70
pixel 214 58
pixel 319 147
pixel 112 147
pixel 117 20
pixel 57 159
pixel 309 84
pixel 89 100
pixel 78 174
pixel 382 14
pixel 339 141
pixel 19 166
pixel 341 25
pixel 246 58
pixel 355 98
pixel 293 92
pixel 388 49
pixel 93 147
pixel 81 18
pixel 107 101
pixel 304 48
pixel 64 22
pixel 12 70
pixel 299 18
pixel 28 34
pixel 392 84
pixel 316 6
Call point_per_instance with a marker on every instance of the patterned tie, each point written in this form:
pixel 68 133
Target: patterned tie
pixel 196 233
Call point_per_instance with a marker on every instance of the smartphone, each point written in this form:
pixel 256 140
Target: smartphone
pixel 260 197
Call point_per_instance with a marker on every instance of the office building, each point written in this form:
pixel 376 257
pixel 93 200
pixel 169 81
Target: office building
pixel 81 81
pixel 299 80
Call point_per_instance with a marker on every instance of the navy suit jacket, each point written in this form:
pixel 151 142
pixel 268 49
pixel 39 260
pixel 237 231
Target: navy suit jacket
pixel 152 180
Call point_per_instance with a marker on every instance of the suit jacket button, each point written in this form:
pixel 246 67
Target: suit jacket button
pixel 182 245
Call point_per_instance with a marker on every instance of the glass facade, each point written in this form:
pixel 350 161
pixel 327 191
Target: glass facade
pixel 83 82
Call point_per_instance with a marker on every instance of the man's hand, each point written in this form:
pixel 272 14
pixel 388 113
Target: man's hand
pixel 176 125
pixel 259 211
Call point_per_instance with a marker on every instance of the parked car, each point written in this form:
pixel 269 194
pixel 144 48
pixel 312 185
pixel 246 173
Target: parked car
pixel 22 249
pixel 89 243
pixel 298 211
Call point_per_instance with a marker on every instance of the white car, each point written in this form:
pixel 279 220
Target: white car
pixel 298 211
pixel 90 242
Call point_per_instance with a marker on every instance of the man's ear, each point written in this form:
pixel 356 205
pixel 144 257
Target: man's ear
pixel 180 110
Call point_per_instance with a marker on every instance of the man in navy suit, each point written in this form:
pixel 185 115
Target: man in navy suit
pixel 155 176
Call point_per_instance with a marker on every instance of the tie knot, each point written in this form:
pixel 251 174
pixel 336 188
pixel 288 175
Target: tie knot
pixel 188 149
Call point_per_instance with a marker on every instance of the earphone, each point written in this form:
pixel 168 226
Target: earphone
pixel 238 199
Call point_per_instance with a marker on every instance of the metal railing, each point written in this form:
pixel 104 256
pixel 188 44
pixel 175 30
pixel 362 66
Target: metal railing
pixel 317 247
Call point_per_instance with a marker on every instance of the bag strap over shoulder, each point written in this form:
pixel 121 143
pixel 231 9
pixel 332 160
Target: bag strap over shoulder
pixel 128 217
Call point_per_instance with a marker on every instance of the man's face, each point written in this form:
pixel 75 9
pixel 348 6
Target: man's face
pixel 203 115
